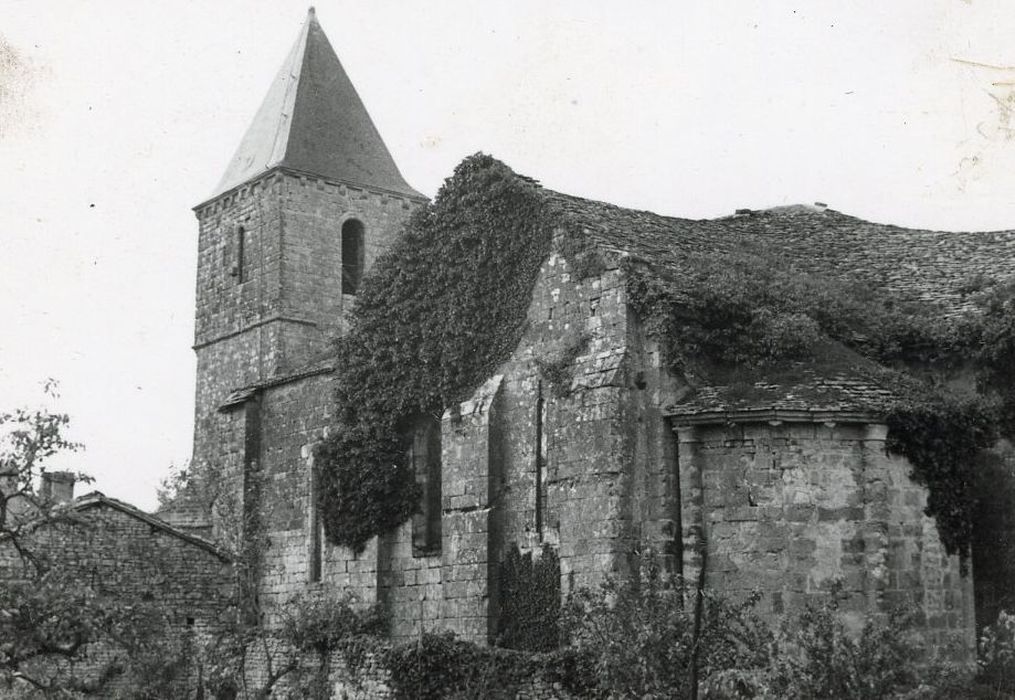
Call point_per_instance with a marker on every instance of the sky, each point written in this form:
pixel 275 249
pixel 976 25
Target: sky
pixel 117 117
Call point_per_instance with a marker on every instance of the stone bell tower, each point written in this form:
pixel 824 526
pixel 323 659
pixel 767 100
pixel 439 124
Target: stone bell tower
pixel 308 201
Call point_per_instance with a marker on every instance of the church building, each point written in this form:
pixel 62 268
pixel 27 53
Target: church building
pixel 789 490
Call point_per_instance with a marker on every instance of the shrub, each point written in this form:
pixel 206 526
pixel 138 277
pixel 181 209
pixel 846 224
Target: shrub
pixel 439 666
pixel 646 639
pixel 997 654
pixel 818 658
pixel 529 618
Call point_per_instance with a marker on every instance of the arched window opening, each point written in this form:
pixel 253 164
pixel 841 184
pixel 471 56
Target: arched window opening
pixel 352 256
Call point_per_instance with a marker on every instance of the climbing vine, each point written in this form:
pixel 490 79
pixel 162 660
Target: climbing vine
pixel 529 618
pixel 447 304
pixel 441 309
pixel 559 371
pixel 747 314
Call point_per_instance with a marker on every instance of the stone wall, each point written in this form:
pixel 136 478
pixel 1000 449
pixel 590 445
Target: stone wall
pixel 565 458
pixel 792 508
pixel 132 558
pixel 267 316
pixel 369 679
pixel 129 556
pixel 582 458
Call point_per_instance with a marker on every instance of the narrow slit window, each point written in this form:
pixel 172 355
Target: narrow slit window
pixel 540 460
pixel 238 268
pixel 352 256
pixel 314 526
pixel 243 250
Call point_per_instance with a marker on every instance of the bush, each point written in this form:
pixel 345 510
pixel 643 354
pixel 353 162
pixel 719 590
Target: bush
pixel 647 639
pixel 997 654
pixel 439 666
pixel 529 618
pixel 818 658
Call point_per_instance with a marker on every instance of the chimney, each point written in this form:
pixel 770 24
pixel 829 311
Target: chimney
pixel 820 206
pixel 57 487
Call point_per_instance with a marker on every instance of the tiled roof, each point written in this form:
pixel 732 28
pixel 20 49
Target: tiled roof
pixel 96 499
pixel 312 120
pixel 913 265
pixel 651 237
pixel 917 265
pixel 811 395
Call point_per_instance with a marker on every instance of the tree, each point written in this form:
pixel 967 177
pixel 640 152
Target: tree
pixel 51 619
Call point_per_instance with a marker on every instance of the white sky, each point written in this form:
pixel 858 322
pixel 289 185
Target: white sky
pixel 117 117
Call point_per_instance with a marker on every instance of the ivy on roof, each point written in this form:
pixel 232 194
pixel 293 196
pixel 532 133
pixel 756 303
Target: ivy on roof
pixel 744 316
pixel 447 304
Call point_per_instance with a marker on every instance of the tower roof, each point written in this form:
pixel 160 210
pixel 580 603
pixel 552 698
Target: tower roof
pixel 312 120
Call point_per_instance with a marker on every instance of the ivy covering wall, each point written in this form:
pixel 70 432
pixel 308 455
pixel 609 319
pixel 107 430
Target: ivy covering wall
pixel 438 313
pixel 447 304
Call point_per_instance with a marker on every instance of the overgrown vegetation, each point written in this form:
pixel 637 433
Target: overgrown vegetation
pixel 641 639
pixel 439 312
pixel 746 314
pixel 53 619
pixel 646 638
pixel 559 371
pixel 439 666
pixel 295 653
pixel 529 614
pixel 997 654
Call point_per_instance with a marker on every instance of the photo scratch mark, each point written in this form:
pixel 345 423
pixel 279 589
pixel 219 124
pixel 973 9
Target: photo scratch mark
pixel 995 125
pixel 18 79
pixel 980 64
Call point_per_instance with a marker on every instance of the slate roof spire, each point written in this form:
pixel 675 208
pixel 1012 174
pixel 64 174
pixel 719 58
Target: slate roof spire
pixel 312 120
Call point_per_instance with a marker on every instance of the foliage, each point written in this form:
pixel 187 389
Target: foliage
pixel 746 307
pixel 529 617
pixel 559 372
pixel 439 665
pixel 172 486
pixel 647 642
pixel 440 310
pixel 159 661
pixel 997 653
pixel 314 622
pixel 642 641
pixel 994 521
pixel 818 658
pixel 319 622
pixel 29 439
pixel 995 356
pixel 942 438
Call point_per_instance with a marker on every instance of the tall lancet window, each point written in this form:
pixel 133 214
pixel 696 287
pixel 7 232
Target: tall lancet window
pixel 425 459
pixel 314 526
pixel 352 256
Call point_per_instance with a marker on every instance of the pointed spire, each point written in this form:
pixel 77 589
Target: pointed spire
pixel 312 120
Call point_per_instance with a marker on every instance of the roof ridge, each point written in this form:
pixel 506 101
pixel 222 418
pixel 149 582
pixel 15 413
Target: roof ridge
pixel 93 498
